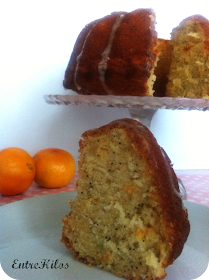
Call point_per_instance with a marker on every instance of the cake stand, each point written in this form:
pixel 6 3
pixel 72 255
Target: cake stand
pixel 140 108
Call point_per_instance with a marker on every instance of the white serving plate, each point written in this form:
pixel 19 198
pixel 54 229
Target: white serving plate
pixel 30 230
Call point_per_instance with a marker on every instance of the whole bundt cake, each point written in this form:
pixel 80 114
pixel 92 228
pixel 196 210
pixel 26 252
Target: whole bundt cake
pixel 128 217
pixel 115 55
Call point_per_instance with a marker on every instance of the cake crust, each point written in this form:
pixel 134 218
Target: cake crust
pixel 158 165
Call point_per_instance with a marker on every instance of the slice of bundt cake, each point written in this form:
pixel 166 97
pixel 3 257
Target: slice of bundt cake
pixel 128 216
pixel 189 71
pixel 115 55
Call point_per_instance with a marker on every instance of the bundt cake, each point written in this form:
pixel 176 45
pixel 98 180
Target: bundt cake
pixel 115 55
pixel 128 217
pixel 189 71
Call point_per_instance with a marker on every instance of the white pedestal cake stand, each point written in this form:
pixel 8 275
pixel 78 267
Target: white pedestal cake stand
pixel 140 108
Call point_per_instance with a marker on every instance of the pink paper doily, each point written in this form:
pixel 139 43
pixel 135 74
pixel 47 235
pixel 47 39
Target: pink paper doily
pixel 196 183
pixel 36 190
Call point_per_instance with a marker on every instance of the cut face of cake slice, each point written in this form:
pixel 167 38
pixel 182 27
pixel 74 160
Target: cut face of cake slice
pixel 161 71
pixel 189 74
pixel 128 217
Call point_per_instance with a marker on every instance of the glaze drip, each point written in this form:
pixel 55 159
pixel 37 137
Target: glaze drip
pixel 79 58
pixel 105 55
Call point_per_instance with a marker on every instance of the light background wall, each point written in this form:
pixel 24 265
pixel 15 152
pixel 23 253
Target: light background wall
pixel 37 38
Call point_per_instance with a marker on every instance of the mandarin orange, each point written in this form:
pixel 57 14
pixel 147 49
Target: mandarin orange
pixel 55 168
pixel 17 171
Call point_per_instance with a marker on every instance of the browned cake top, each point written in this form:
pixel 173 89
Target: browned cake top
pixel 159 165
pixel 114 55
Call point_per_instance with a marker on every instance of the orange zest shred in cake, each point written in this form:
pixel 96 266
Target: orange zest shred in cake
pixel 128 217
pixel 115 55
pixel 189 71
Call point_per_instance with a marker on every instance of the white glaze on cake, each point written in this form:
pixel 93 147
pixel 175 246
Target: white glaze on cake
pixel 102 66
pixel 105 56
pixel 79 58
